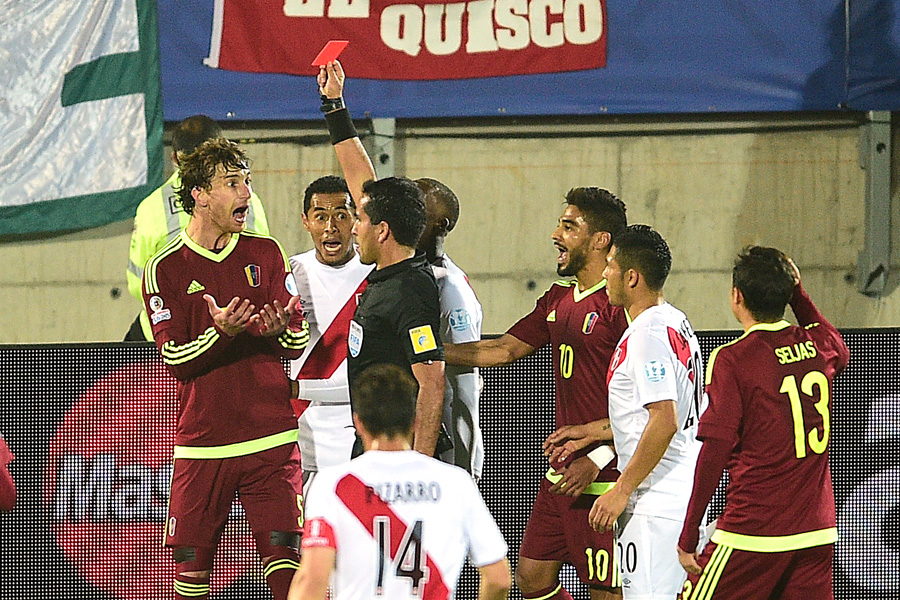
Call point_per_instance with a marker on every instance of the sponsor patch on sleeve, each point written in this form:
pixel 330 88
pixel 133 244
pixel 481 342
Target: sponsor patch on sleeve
pixel 460 320
pixel 355 339
pixel 654 371
pixel 158 313
pixel 291 284
pixel 422 339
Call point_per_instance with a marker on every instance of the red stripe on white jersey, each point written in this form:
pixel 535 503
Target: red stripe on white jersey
pixel 331 349
pixel 362 501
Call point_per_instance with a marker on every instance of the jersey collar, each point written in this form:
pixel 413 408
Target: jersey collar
pixel 579 296
pixel 209 254
pixel 418 260
pixel 776 326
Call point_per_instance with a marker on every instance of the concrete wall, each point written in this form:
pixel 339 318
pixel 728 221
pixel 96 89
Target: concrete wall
pixel 709 185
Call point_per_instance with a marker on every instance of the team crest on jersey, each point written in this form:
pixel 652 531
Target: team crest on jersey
pixel 355 339
pixel 158 314
pixel 617 359
pixel 654 371
pixel 590 320
pixel 252 272
pixel 422 339
pixel 291 284
pixel 460 320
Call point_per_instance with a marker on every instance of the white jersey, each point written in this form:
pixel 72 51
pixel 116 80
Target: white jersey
pixel 461 318
pixel 658 358
pixel 328 297
pixel 402 525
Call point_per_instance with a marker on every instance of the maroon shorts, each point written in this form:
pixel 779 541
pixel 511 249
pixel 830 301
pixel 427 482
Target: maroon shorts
pixel 558 530
pixel 268 484
pixel 738 574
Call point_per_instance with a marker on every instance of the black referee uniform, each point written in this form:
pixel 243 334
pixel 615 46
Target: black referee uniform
pixel 397 321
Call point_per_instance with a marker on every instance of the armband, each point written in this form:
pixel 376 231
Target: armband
pixel 330 104
pixel 340 126
pixel 601 456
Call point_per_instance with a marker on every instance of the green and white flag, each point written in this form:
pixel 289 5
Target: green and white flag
pixel 80 112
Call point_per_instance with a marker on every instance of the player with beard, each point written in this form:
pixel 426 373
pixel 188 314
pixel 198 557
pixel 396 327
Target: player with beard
pixel 330 278
pixel 575 317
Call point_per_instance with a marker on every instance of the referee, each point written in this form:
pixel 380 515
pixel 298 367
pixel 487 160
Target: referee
pixel 398 316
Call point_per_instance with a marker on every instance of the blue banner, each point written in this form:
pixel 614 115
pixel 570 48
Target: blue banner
pixel 661 57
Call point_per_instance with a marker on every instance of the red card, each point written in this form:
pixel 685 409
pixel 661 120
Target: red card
pixel 330 52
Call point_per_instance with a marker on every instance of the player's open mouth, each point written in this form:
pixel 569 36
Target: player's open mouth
pixel 332 246
pixel 563 254
pixel 240 214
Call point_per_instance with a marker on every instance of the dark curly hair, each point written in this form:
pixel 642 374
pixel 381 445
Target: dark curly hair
pixel 199 167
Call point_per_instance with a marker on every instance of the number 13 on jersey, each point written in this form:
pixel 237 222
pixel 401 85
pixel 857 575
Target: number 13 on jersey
pixel 813 385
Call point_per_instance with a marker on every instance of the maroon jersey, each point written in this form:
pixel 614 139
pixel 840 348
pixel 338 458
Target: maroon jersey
pixel 230 389
pixel 583 329
pixel 770 399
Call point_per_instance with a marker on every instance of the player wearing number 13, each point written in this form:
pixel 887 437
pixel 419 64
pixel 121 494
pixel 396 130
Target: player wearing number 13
pixel 769 422
pixel 394 524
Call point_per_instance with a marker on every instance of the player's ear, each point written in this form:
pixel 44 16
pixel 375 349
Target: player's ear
pixel 601 240
pixel 632 278
pixel 196 194
pixel 384 231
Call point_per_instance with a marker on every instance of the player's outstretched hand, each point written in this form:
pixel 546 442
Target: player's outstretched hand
pixel 689 561
pixel 331 80
pixel 274 319
pixel 233 318
pixel 575 477
pixel 606 509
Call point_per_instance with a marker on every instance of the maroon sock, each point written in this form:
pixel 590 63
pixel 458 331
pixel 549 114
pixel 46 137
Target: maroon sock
pixel 191 588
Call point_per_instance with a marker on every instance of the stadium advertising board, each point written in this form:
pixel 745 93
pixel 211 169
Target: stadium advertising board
pixel 92 428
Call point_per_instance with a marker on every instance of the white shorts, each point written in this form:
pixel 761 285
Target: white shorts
pixel 648 558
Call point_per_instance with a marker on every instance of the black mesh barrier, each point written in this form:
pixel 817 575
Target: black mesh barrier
pixel 92 427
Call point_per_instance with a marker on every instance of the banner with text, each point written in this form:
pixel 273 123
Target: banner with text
pixel 80 114
pixel 483 58
pixel 425 39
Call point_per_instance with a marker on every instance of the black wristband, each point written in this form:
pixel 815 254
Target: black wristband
pixel 330 104
pixel 340 126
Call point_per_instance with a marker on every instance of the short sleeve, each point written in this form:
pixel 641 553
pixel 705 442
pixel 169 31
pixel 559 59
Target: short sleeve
pixel 653 368
pixel 417 322
pixel 460 320
pixel 532 328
